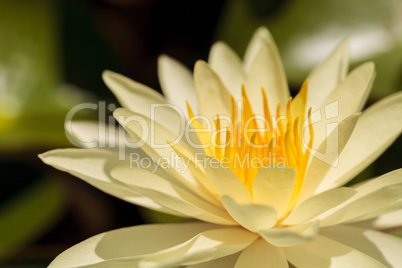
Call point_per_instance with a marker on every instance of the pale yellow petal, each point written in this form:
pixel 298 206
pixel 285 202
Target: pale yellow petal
pixel 384 248
pixel 177 83
pixel 127 245
pixel 213 97
pixel 375 131
pixel 168 194
pixel 290 236
pixel 251 216
pixel 325 252
pixel 383 222
pixel 259 38
pixel 227 64
pixel 224 262
pixel 327 156
pixel 261 254
pixel 267 72
pixel 274 186
pixel 139 98
pixel 94 166
pixel 208 245
pixel 327 75
pixel 318 204
pixel 226 182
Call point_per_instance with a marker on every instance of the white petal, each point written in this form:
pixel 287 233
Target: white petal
pixel 226 182
pixel 224 262
pixel 324 252
pixel 251 216
pixel 384 248
pixel 326 76
pixel 346 99
pixel 139 98
pixel 318 204
pixel 326 156
pixel 208 245
pixel 227 64
pixel 261 254
pixel 274 186
pixel 375 131
pixel 128 244
pixel 267 72
pixel 172 196
pixel 260 36
pixel 386 221
pixel 380 194
pixel 290 236
pixel 213 97
pixel 94 167
pixel 177 83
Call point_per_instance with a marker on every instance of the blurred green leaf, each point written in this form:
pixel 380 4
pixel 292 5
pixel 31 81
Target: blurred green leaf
pixel 33 103
pixel 28 214
pixel 307 30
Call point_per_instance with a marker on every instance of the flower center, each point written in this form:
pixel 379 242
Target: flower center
pixel 249 142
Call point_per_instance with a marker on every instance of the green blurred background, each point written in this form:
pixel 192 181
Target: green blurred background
pixel 52 54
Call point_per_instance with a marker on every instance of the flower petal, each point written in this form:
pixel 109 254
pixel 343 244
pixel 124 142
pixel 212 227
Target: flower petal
pixel 385 221
pixel 172 196
pixel 383 247
pixel 208 245
pixel 375 131
pixel 380 194
pixel 261 254
pixel 290 236
pixel 213 97
pixel 226 182
pixel 274 186
pixel 318 204
pixel 346 99
pixel 327 75
pixel 326 156
pixel 324 252
pixel 267 72
pixel 177 83
pixel 251 216
pixel 94 166
pixel 142 99
pixel 260 36
pixel 128 244
pixel 227 64
pixel 224 262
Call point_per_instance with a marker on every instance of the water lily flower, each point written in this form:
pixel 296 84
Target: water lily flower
pixel 263 181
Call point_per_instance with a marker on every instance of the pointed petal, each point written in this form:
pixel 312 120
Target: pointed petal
pixel 169 195
pixel 324 252
pixel 348 98
pixel 227 64
pixel 226 182
pixel 267 72
pixel 213 97
pixel 261 254
pixel 384 248
pixel 326 76
pixel 290 236
pixel 260 36
pixel 327 156
pixel 139 98
pixel 177 83
pixel 128 244
pixel 274 186
pixel 377 195
pixel 208 245
pixel 318 204
pixel 385 221
pixel 375 131
pixel 94 166
pixel 251 216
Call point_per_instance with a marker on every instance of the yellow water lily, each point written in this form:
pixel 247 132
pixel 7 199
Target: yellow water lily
pixel 261 173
